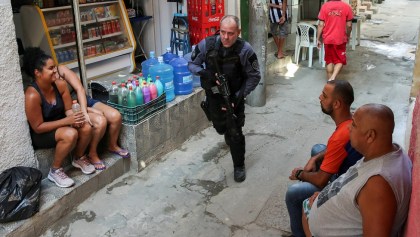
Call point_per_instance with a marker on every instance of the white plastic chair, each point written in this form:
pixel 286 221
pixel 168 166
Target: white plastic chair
pixel 305 37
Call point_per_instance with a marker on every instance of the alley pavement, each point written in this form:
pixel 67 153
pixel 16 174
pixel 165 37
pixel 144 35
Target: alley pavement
pixel 191 191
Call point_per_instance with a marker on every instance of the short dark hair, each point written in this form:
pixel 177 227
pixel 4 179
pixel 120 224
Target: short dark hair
pixel 343 90
pixel 34 58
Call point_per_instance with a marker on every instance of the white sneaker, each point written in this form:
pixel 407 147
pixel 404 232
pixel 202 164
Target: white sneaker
pixel 84 165
pixel 60 178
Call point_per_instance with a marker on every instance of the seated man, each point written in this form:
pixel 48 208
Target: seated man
pixel 372 197
pixel 334 159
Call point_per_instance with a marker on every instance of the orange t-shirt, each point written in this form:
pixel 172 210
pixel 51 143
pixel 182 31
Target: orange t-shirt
pixel 336 148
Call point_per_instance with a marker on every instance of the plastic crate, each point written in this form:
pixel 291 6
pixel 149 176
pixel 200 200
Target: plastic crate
pixel 133 116
pixel 202 31
pixel 205 11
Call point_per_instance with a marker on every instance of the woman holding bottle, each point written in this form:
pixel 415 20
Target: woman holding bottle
pixel 52 122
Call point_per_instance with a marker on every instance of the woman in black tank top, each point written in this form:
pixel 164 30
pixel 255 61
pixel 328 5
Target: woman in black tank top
pixel 52 122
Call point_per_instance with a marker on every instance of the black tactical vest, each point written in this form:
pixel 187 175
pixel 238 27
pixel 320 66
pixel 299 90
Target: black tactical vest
pixel 228 60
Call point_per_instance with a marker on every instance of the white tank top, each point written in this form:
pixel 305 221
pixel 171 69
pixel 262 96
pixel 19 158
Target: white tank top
pixel 335 211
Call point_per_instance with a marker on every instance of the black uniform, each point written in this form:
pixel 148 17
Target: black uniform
pixel 240 66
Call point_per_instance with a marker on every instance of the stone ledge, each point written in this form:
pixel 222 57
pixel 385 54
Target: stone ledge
pixel 56 202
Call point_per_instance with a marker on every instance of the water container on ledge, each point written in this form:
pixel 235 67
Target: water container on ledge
pixel 182 76
pixel 165 72
pixel 168 56
pixel 195 78
pixel 146 64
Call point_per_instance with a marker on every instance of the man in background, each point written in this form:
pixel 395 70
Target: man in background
pixel 334 26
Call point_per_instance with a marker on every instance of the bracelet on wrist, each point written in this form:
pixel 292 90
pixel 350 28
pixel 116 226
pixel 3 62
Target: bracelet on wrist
pixel 297 174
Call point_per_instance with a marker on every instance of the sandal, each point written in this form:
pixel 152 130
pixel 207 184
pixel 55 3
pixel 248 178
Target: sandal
pixel 99 165
pixel 123 153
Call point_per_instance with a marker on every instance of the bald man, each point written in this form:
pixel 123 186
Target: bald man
pixel 372 197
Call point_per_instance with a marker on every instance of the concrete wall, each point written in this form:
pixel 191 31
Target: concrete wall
pixel 15 142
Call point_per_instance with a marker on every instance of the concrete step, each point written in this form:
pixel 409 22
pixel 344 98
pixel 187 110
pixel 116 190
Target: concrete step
pixel 56 202
pixel 362 8
pixel 367 4
pixel 373 9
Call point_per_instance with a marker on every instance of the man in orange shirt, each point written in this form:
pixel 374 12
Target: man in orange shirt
pixel 326 162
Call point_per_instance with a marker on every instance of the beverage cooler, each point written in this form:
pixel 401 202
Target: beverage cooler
pixel 108 40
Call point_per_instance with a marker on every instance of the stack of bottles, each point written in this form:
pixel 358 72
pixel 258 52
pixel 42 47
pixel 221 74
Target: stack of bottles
pixel 136 91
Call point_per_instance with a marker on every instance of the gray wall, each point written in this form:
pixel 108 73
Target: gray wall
pixel 15 142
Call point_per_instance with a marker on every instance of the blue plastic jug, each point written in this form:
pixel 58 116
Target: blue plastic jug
pixel 166 74
pixel 182 76
pixel 146 64
pixel 168 56
pixel 195 78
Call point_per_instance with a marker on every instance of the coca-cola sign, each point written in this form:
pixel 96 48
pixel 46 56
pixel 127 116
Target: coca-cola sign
pixel 214 19
pixel 194 18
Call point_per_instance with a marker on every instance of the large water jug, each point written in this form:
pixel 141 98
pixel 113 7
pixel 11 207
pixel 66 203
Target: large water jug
pixel 182 76
pixel 168 56
pixel 166 74
pixel 146 64
pixel 195 78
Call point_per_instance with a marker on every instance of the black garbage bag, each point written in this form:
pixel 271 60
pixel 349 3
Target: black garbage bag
pixel 20 188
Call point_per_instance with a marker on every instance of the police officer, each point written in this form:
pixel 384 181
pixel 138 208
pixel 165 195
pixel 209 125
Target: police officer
pixel 229 56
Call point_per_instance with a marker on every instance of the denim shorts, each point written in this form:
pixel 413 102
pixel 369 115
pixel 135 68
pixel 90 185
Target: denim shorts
pixel 91 101
pixel 279 30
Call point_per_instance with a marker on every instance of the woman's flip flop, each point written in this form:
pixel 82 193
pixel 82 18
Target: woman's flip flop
pixel 99 165
pixel 123 153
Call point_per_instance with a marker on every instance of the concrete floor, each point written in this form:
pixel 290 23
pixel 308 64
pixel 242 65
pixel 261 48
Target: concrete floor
pixel 191 192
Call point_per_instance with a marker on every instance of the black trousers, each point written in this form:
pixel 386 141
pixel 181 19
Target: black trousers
pixel 219 116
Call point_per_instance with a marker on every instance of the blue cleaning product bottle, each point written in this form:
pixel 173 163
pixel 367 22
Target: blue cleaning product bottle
pixel 159 86
pixel 146 64
pixel 183 83
pixel 166 74
pixel 195 78
pixel 168 56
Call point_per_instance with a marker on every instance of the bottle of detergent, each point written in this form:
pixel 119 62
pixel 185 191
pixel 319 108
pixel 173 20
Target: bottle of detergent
pixel 159 86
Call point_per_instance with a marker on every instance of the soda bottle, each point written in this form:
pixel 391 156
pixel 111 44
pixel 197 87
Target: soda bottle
pixel 159 86
pixel 139 94
pixel 131 97
pixel 122 95
pixel 146 92
pixel 113 93
pixel 133 81
pixel 76 107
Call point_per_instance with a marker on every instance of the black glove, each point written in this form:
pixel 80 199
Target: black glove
pixel 207 79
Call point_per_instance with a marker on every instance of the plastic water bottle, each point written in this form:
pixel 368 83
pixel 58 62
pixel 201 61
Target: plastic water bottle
pixel 159 86
pixel 146 64
pixel 122 95
pixel 76 107
pixel 146 92
pixel 195 78
pixel 153 91
pixel 131 97
pixel 165 71
pixel 168 56
pixel 139 94
pixel 182 76
pixel 113 93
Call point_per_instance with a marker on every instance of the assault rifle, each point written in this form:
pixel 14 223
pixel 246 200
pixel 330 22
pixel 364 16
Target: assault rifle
pixel 223 87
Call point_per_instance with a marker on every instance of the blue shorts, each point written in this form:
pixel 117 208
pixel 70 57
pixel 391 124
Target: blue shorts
pixel 90 101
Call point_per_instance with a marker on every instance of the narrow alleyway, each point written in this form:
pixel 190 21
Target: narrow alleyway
pixel 191 191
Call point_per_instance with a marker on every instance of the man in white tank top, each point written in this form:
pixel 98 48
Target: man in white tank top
pixel 372 197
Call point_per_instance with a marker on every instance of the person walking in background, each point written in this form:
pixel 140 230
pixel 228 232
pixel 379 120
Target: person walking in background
pixel 52 121
pixel 372 197
pixel 326 162
pixel 278 24
pixel 238 63
pixel 334 26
